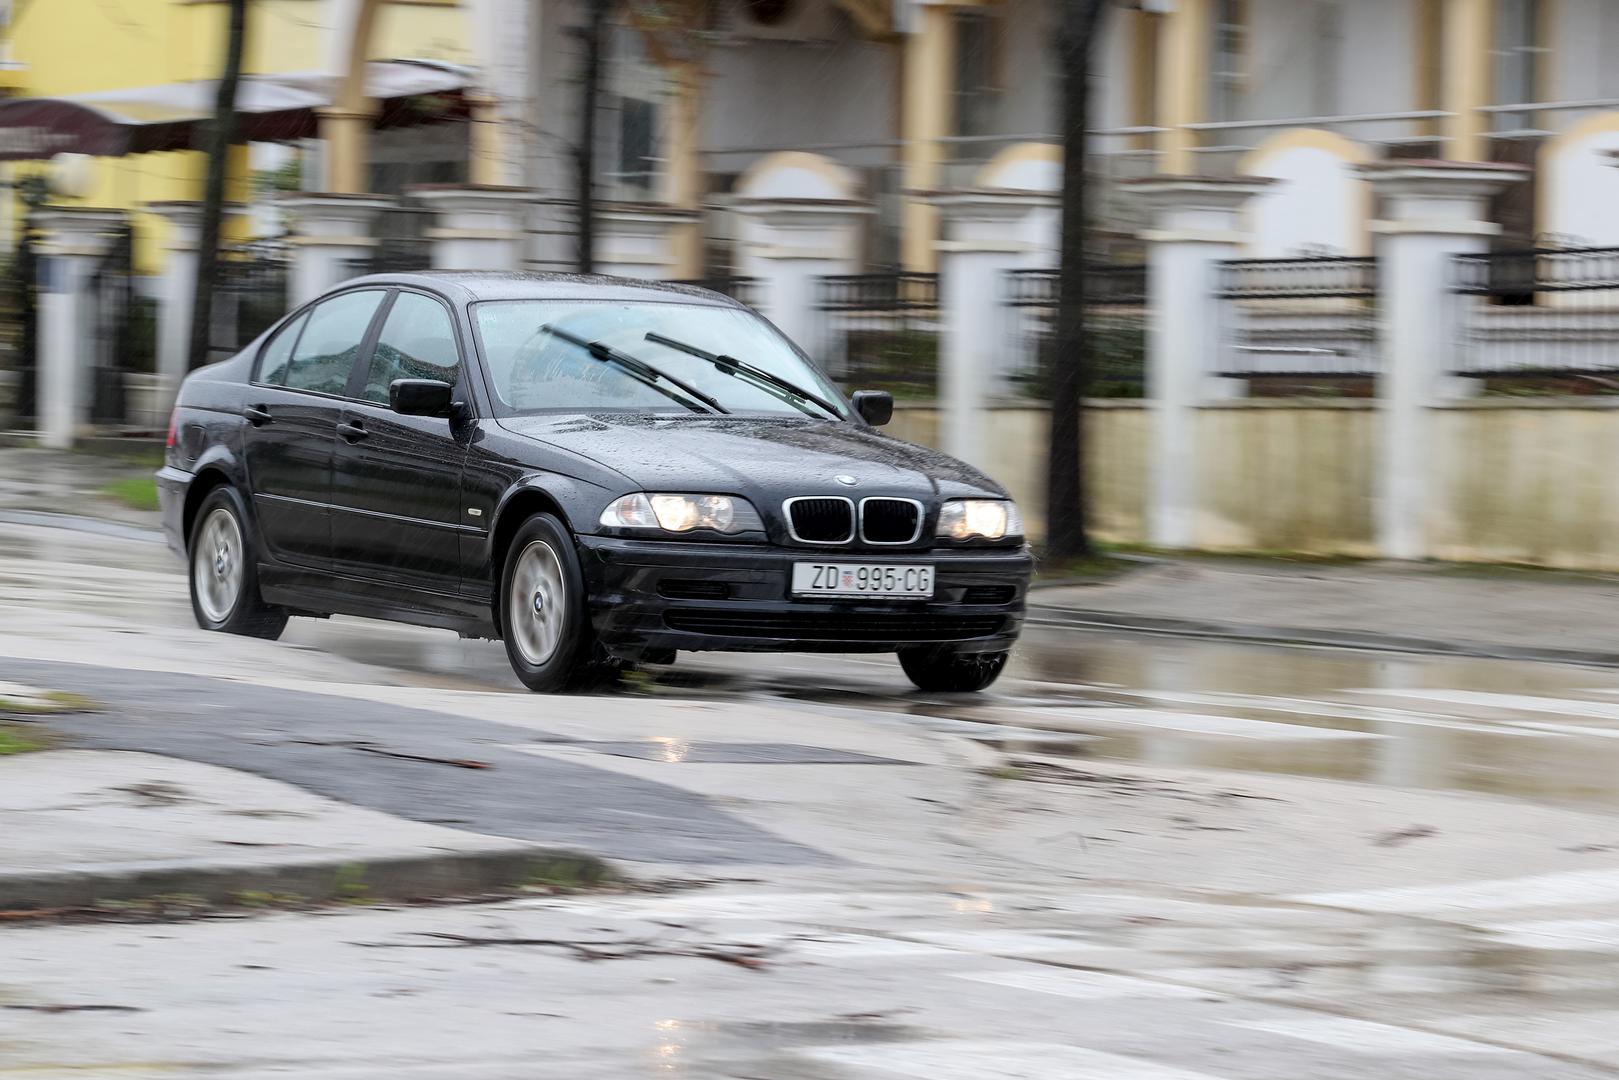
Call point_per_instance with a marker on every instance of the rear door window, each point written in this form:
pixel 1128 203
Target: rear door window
pixel 330 344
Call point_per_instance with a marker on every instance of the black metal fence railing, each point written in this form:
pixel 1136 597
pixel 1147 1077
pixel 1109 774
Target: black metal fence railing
pixel 1300 325
pixel 402 243
pixel 250 294
pixel 124 333
pixel 744 290
pixel 1539 320
pixel 1116 329
pixel 880 332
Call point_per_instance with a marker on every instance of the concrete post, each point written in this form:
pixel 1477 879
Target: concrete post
pixel 642 240
pixel 175 289
pixel 332 230
pixel 477 227
pixel 985 236
pixel 1434 210
pixel 788 245
pixel 72 240
pixel 1195 225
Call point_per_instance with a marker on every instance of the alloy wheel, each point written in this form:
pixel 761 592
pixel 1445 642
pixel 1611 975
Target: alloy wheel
pixel 538 603
pixel 218 564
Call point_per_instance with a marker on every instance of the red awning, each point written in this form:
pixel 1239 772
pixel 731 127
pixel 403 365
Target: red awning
pixel 270 108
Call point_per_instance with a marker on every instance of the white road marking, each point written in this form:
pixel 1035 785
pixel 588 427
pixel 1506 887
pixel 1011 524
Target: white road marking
pixel 1204 724
pixel 1567 729
pixel 1365 1037
pixel 1085 985
pixel 861 947
pixel 1599 710
pixel 1543 890
pixel 961 1060
pixel 1593 1034
pixel 1336 710
pixel 1587 934
pixel 1013 943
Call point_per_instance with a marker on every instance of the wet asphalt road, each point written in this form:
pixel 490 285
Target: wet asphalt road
pixel 1443 723
pixel 963 970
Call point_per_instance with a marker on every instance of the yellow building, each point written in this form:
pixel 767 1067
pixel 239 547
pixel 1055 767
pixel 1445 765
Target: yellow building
pixel 65 49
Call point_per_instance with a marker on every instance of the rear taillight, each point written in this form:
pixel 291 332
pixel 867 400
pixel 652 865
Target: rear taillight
pixel 174 423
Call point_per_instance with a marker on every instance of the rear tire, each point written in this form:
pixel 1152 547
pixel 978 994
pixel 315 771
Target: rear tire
pixel 224 571
pixel 544 616
pixel 941 669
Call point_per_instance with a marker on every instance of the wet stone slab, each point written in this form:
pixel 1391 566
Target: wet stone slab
pixel 725 753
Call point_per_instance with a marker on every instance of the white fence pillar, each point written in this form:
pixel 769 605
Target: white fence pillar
pixel 175 295
pixel 789 245
pixel 1196 224
pixel 638 240
pixel 72 241
pixel 332 231
pixel 477 227
pixel 1433 210
pixel 986 233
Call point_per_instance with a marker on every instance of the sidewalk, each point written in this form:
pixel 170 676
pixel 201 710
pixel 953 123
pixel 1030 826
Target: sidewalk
pixel 1427 608
pixel 84 827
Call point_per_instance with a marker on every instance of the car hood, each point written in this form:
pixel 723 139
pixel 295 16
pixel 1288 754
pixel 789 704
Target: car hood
pixel 754 456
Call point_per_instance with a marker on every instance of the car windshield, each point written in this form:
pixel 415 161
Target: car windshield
pixel 598 355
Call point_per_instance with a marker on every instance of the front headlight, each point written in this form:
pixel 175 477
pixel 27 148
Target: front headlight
pixel 682 513
pixel 987 519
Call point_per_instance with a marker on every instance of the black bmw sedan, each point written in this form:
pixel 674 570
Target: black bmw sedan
pixel 593 470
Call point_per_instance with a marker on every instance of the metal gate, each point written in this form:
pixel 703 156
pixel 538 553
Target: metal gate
pixel 111 296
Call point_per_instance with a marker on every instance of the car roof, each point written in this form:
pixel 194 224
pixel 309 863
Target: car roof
pixel 474 285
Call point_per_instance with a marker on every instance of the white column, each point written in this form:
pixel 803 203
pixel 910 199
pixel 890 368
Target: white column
pixel 175 293
pixel 477 227
pixel 72 241
pixel 331 231
pixel 1196 224
pixel 790 243
pixel 638 241
pixel 986 233
pixel 1432 211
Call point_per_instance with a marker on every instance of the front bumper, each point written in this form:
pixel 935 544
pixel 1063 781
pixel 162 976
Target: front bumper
pixel 655 595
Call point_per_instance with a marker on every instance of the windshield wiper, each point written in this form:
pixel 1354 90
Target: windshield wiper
pixel 732 366
pixel 639 369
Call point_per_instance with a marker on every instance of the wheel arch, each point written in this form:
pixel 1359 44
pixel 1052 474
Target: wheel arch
pixel 518 505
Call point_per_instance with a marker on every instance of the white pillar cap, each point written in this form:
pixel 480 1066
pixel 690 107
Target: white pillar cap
pixel 1444 179
pixel 72 230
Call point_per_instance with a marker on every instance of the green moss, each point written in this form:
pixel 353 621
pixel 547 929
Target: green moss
pixel 18 739
pixel 49 703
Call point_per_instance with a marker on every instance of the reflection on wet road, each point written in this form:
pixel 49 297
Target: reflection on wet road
pixel 1537 731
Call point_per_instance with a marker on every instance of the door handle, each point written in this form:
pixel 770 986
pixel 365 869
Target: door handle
pixel 352 431
pixel 257 415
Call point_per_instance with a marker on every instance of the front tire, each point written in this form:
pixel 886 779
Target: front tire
pixel 224 571
pixel 544 617
pixel 941 669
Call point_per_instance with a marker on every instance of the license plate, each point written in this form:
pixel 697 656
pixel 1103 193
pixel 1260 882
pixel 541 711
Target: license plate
pixel 861 579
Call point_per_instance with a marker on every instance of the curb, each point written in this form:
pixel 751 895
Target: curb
pixel 1081 618
pixel 395 876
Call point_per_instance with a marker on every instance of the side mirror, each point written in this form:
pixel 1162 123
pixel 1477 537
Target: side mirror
pixel 420 397
pixel 876 407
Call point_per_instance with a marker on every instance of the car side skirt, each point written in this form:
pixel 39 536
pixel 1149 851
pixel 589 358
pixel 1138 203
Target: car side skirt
pixel 320 592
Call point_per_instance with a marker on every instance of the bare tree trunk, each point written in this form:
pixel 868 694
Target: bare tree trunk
pixel 1066 529
pixel 221 132
pixel 595 37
